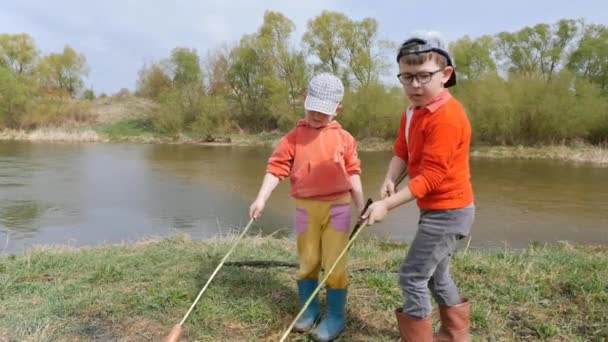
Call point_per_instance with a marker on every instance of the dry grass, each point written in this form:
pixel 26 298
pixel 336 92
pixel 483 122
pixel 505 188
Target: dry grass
pixel 53 135
pixel 375 144
pixel 579 153
pixel 117 108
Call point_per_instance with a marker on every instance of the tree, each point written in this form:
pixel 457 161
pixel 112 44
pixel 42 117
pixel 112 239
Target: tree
pixel 152 81
pixel 590 59
pixel 64 70
pixel 217 63
pixel 15 98
pixel 473 57
pixel 88 94
pixel 246 78
pixel 541 48
pixel 323 40
pixel 188 88
pixel 564 33
pixel 285 67
pixel 185 67
pixel 216 67
pixel 364 51
pixel 18 52
pixel 349 49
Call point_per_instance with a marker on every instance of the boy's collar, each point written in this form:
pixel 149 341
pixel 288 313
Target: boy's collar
pixel 332 124
pixel 437 101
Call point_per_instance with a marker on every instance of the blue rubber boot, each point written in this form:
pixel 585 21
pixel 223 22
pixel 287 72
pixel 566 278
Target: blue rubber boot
pixel 333 323
pixel 308 319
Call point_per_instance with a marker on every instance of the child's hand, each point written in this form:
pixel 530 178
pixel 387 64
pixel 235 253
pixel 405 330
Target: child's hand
pixel 256 209
pixel 376 212
pixel 387 189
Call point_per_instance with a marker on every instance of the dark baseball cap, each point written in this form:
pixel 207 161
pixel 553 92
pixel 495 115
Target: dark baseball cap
pixel 428 42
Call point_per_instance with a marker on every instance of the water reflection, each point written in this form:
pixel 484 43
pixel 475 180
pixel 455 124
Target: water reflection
pixel 95 193
pixel 20 217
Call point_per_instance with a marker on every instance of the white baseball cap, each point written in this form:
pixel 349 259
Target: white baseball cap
pixel 325 92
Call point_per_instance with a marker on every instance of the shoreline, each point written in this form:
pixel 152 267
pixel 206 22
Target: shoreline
pixel 595 155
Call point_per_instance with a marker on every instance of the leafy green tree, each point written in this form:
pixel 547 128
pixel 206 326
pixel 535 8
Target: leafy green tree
pixel 64 70
pixel 473 57
pixel 152 82
pixel 18 52
pixel 247 79
pixel 285 68
pixel 15 98
pixel 590 59
pixel 542 48
pixel 88 94
pixel 185 67
pixel 365 52
pixel 323 40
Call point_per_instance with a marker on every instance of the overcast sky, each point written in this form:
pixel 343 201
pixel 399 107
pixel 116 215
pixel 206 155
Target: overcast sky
pixel 118 36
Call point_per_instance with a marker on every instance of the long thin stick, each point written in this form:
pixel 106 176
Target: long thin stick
pixel 400 179
pixel 327 274
pixel 215 272
pixel 468 243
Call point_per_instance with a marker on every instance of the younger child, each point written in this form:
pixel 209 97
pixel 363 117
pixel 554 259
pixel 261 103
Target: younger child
pixel 321 161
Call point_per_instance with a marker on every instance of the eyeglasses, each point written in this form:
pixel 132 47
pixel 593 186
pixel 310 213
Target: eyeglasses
pixel 423 77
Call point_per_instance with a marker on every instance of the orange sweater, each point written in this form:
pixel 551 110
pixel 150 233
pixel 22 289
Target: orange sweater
pixel 437 155
pixel 319 162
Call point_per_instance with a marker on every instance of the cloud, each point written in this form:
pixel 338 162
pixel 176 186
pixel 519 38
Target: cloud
pixel 118 36
pixel 113 33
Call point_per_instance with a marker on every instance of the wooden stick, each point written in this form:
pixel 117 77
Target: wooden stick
pixel 176 331
pixel 327 274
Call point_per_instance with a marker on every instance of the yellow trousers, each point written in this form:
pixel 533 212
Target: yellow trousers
pixel 322 229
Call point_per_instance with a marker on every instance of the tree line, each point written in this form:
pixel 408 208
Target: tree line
pixel 542 84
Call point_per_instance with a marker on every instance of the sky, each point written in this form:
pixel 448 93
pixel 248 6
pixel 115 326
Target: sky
pixel 119 36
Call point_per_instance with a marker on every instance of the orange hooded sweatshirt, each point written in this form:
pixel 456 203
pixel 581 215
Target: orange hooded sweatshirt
pixel 318 161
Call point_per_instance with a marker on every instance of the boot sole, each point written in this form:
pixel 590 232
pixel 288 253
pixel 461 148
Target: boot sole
pixel 317 339
pixel 314 324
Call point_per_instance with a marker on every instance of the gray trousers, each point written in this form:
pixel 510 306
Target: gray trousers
pixel 427 264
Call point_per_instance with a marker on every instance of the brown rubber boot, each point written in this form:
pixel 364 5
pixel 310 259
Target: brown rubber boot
pixel 454 323
pixel 414 329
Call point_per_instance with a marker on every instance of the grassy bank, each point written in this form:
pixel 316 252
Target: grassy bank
pixel 126 118
pixel 137 292
pixel 580 154
pixel 138 131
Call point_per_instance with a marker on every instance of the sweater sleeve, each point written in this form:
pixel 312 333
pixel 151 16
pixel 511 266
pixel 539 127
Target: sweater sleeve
pixel 400 145
pixel 281 160
pixel 351 157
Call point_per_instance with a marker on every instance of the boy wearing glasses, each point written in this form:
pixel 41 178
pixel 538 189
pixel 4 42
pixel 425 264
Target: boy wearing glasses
pixel 433 146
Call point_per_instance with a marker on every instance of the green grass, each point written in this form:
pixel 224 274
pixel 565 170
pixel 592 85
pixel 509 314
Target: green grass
pixel 137 292
pixel 127 128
